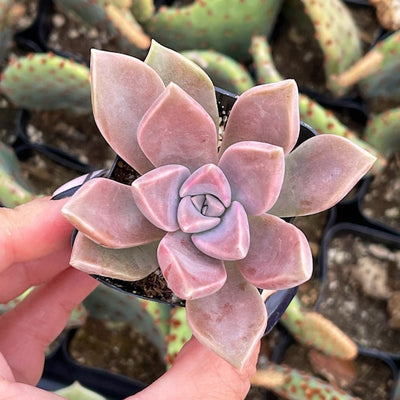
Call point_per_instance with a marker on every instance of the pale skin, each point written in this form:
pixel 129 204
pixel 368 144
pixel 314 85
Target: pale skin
pixel 34 251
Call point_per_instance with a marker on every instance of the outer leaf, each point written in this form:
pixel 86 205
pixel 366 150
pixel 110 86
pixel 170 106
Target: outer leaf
pixel 104 210
pixel 177 130
pixel 231 321
pixel 279 256
pixel 157 195
pixel 190 274
pixel 173 67
pixel 319 173
pixel 255 172
pixel 229 240
pixel 129 264
pixel 123 88
pixel 265 113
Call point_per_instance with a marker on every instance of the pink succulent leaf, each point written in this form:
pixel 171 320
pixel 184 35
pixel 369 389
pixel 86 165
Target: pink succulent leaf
pixel 129 264
pixel 230 240
pixel 190 274
pixel 231 321
pixel 177 130
pixel 208 179
pixel 174 67
pixel 157 195
pixel 319 173
pixel 265 113
pixel 279 256
pixel 191 220
pixel 105 211
pixel 123 88
pixel 255 171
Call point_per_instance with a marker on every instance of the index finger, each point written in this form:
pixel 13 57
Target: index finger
pixel 32 230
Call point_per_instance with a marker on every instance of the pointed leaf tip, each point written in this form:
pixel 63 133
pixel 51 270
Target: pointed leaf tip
pixel 266 113
pixel 123 88
pixel 177 130
pixel 231 321
pixel 320 173
pixel 174 67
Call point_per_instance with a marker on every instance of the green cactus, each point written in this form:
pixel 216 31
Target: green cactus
pixel 224 71
pixel 13 189
pixel 46 81
pixel 179 333
pixel 77 392
pixel 142 10
pixel 332 25
pixel 377 72
pixel 214 24
pixel 312 329
pixel 10 12
pixel 383 131
pixel 322 120
pixel 296 385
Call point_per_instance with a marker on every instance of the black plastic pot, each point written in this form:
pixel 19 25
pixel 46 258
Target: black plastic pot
pixel 61 370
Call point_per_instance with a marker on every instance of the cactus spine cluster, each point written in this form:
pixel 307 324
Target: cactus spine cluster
pixel 46 81
pixel 214 24
pixel 377 72
pixel 313 329
pixel 296 385
pixel 383 131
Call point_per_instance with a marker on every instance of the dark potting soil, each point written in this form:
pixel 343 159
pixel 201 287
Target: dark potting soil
pixel 118 348
pixel 360 279
pixel 382 200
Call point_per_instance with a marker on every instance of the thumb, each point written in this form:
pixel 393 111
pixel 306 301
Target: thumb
pixel 199 374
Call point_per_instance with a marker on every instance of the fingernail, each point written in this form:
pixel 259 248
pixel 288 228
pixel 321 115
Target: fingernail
pixel 70 187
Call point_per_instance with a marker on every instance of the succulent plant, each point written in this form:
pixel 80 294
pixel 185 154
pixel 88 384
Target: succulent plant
pixel 332 25
pixel 377 72
pixel 47 81
pixel 293 384
pixel 224 71
pixel 10 12
pixel 198 214
pixel 13 189
pixel 383 131
pixel 212 24
pixel 321 119
pixel 313 329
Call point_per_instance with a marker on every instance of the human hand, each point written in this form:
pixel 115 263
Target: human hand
pixel 35 251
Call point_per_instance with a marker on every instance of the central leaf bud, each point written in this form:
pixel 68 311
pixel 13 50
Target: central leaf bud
pixel 208 205
pixel 205 195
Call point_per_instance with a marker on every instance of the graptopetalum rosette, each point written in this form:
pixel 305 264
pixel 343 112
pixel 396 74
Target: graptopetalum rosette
pixel 207 215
